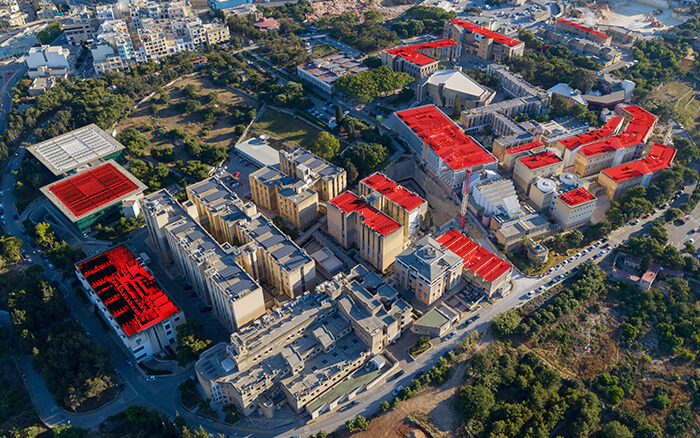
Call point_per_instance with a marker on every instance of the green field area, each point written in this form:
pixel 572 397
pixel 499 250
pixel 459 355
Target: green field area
pixel 686 103
pixel 285 127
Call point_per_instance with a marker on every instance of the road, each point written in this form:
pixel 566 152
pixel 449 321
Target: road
pixel 10 74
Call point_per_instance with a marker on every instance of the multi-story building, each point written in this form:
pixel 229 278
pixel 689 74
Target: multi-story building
pixel 294 200
pixel 603 54
pixel 135 307
pixel 512 232
pixel 96 195
pixel 324 178
pixel 617 180
pixel 216 33
pixel 574 208
pixel 397 202
pixel 515 85
pixel 541 165
pixel 267 254
pixel 429 270
pixel 215 5
pixel 352 221
pixel 113 49
pixel 445 148
pixel 78 30
pixel 323 72
pixel 582 31
pixel 484 43
pixel 236 299
pixel 482 269
pixel 48 61
pixel 570 146
pixel 509 157
pixel 420 60
pixel 11 14
pixel 302 352
pixel 443 87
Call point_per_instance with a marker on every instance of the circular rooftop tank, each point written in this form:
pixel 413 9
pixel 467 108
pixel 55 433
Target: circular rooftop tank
pixel 264 137
pixel 545 185
pixel 568 178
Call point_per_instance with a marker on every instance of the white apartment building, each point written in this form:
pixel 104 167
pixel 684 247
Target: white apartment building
pixel 48 61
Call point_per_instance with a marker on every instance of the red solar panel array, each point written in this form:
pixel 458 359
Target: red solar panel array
pixel 401 196
pixel 373 218
pixel 660 157
pixel 577 196
pixel 128 291
pixel 90 190
pixel 413 53
pixel 510 42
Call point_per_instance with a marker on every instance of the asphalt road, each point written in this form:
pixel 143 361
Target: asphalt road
pixel 10 74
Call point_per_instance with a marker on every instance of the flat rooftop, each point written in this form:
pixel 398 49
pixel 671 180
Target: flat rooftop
pixel 128 291
pixel 258 152
pixel 71 150
pixel 414 55
pixel 373 218
pixel 445 138
pixel 80 195
pixel 499 38
pixel 540 160
pixel 399 195
pixel 576 197
pixel 660 157
pixel 606 131
pixel 330 68
pixel 524 147
pixel 476 258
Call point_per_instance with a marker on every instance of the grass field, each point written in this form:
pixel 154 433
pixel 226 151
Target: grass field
pixel 285 127
pixel 686 102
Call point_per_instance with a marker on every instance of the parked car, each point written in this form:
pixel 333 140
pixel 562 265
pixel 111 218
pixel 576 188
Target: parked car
pixel 151 379
pixel 130 364
pixel 397 391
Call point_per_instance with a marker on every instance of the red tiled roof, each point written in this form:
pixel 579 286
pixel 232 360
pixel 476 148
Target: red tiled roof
pixel 584 28
pixel 477 259
pixel 660 157
pixel 413 53
pixel 637 131
pixel 577 196
pixel 128 291
pixel 524 147
pixel 267 23
pixel 399 195
pixel 445 138
pixel 373 218
pixel 607 130
pixel 542 159
pixel 90 190
pixel 500 38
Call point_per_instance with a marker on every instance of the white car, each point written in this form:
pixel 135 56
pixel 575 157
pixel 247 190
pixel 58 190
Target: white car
pixel 397 391
pixel 151 379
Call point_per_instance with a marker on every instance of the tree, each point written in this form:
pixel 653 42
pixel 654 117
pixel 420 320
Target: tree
pixel 366 86
pixel 475 402
pixel 190 91
pixel 504 324
pixel 373 15
pixel 368 157
pixel 350 425
pixel 191 342
pixel 338 114
pixel 685 150
pixel 679 420
pixel 574 239
pixel 325 146
pixel 615 429
pixel 133 140
pixel 64 431
pixel 456 106
pixel 361 422
pixel 384 406
pixel 321 434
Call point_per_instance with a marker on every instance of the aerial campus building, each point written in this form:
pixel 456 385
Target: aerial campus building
pixel 443 145
pixel 131 301
pixel 420 60
pixel 324 72
pixel 617 180
pixel 96 195
pixel 483 42
pixel 73 150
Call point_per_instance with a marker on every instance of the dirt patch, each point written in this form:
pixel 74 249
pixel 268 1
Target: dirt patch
pixel 390 9
pixel 168 116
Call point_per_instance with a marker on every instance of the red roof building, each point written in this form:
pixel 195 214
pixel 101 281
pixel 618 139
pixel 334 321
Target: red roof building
pixel 524 147
pixel 607 130
pixel 497 37
pixel 84 197
pixel 577 196
pixel 444 146
pixel 542 159
pixel 267 24
pixel 420 60
pixel 414 54
pixel 583 31
pixel 352 221
pixel 487 270
pixel 399 195
pixel 127 290
pixel 619 178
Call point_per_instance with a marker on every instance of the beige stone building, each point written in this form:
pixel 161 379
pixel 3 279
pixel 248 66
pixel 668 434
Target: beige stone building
pixel 420 60
pixel 324 178
pixel 353 222
pixel 574 209
pixel 530 168
pixel 397 202
pixel 484 43
pixel 295 202
pixel 429 270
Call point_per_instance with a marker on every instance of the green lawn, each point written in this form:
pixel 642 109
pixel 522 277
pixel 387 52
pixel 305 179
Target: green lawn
pixel 286 127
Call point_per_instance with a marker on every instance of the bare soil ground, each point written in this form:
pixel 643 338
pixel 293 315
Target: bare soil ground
pixel 390 9
pixel 169 117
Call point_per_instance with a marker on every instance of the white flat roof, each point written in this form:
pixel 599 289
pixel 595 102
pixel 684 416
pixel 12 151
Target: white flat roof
pixel 71 150
pixel 258 152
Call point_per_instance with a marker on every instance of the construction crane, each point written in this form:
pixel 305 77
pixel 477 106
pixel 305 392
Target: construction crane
pixel 465 199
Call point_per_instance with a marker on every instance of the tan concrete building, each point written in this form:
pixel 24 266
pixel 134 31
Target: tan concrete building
pixel 352 221
pixel 295 202
pixel 236 299
pixel 617 180
pixel 582 31
pixel 266 253
pixel 509 157
pixel 397 202
pixel 484 43
pixel 324 178
pixel 530 168
pixel 574 209
pixel 429 270
pixel 420 60
pixel 444 86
